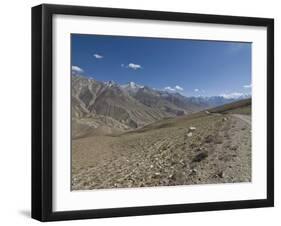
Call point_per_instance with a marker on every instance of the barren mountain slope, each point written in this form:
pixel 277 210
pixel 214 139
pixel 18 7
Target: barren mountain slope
pixel 116 103
pixel 195 149
pixel 171 103
pixel 131 104
pixel 91 98
pixel 124 107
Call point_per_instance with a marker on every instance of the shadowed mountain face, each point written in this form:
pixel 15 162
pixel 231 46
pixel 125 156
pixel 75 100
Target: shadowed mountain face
pixel 108 107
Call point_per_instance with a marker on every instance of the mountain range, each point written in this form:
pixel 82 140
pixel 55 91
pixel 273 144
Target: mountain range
pixel 105 107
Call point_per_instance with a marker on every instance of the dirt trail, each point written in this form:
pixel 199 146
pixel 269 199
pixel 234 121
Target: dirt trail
pixel 217 151
pixel 245 118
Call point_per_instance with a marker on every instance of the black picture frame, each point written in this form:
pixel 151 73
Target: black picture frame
pixel 42 107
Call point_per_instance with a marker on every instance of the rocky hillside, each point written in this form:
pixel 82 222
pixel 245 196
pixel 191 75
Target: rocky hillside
pixel 108 107
pixel 208 147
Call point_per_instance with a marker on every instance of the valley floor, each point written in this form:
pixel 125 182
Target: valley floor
pixel 166 153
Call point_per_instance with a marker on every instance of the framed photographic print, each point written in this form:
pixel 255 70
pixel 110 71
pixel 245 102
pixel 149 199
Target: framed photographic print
pixel 146 112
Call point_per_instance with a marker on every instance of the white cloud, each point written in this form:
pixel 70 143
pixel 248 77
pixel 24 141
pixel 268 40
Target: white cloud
pixel 196 90
pixel 134 66
pixel 247 86
pixel 168 88
pixel 98 56
pixel 76 70
pixel 232 95
pixel 122 65
pixel 177 87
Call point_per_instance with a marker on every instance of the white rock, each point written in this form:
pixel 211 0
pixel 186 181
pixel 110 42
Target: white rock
pixel 190 130
pixel 189 134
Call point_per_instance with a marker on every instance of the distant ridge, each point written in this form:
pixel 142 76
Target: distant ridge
pixel 117 107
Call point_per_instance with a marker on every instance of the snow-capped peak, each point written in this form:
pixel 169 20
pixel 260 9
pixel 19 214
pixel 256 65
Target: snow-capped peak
pixel 235 95
pixel 110 83
pixel 131 86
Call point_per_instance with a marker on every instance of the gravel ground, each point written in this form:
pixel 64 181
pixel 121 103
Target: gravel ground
pixel 217 150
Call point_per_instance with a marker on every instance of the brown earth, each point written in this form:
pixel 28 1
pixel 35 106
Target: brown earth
pixel 166 153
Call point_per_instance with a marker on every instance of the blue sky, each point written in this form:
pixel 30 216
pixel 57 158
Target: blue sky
pixel 190 67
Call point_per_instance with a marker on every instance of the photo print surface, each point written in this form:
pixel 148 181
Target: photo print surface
pixel 152 112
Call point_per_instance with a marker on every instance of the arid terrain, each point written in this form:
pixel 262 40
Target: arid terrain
pixel 210 146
